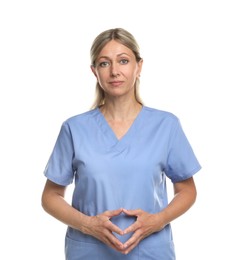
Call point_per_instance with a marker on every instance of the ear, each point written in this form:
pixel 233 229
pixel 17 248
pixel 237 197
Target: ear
pixel 140 64
pixel 93 70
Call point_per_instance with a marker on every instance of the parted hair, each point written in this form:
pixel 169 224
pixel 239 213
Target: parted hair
pixel 124 37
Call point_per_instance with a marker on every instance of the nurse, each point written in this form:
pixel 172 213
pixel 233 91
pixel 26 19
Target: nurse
pixel 119 155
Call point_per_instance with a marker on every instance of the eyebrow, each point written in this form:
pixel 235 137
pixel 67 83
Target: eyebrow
pixel 118 55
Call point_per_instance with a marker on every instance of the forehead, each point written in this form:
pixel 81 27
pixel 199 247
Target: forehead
pixel 114 48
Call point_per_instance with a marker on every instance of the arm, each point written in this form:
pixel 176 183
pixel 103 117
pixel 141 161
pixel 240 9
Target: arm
pixel 53 202
pixel 146 223
pixel 184 197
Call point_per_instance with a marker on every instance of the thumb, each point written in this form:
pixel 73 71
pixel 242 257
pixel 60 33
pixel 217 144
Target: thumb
pixel 131 212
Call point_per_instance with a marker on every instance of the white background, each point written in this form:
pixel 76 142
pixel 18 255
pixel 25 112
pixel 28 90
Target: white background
pixel 194 66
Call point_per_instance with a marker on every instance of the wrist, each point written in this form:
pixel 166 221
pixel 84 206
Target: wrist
pixel 161 220
pixel 85 224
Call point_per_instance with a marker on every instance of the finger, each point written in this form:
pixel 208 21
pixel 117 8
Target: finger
pixel 114 242
pixel 129 249
pixel 113 213
pixel 132 212
pixel 114 228
pixel 108 226
pixel 105 234
pixel 131 228
pixel 130 244
pixel 107 215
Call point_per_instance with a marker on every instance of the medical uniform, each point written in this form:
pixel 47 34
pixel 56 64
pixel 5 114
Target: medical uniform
pixel 128 173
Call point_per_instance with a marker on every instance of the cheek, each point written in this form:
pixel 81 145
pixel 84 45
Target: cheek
pixel 133 73
pixel 100 76
pixel 128 70
pixel 102 73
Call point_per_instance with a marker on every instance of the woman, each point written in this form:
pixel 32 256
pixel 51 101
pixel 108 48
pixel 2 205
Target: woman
pixel 119 154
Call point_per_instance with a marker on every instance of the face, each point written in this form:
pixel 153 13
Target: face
pixel 116 69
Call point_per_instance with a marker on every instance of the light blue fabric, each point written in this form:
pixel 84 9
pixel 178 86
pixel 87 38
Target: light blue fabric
pixel 128 173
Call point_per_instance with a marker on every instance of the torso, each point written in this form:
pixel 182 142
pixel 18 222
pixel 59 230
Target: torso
pixel 120 164
pixel 120 128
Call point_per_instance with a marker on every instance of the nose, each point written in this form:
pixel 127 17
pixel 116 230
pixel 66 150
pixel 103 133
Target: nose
pixel 115 70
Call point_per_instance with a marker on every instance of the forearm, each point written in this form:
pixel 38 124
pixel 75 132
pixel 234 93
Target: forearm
pixel 53 202
pixel 184 197
pixel 57 207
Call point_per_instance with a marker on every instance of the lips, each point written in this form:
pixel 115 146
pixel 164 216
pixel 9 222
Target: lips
pixel 116 83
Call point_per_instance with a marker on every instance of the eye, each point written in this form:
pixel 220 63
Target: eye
pixel 124 61
pixel 104 64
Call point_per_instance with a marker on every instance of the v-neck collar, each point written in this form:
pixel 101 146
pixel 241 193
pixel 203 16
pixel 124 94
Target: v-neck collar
pixel 109 134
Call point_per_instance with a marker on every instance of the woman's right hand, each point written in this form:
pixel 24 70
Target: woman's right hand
pixel 101 228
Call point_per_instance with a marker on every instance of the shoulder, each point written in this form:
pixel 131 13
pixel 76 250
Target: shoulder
pixel 81 118
pixel 157 114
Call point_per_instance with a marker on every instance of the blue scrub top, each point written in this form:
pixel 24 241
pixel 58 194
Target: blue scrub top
pixel 128 173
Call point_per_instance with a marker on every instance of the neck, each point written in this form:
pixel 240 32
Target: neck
pixel 121 111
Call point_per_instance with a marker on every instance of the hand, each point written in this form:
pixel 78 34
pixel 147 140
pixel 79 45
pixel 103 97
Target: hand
pixel 101 228
pixel 145 225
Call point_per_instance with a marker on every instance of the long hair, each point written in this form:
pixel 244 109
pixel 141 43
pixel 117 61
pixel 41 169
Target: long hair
pixel 124 37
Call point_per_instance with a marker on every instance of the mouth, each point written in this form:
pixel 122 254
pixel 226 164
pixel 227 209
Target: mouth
pixel 116 83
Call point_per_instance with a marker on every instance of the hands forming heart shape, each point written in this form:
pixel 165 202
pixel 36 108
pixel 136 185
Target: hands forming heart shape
pixel 106 231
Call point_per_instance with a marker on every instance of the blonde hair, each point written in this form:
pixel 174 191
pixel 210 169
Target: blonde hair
pixel 124 37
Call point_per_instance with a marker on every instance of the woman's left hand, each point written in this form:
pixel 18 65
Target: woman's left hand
pixel 145 225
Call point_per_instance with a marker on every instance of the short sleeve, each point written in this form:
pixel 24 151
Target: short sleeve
pixel 59 167
pixel 181 162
